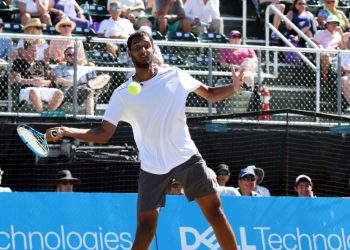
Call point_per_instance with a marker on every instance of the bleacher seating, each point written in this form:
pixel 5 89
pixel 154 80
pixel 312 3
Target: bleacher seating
pixel 205 37
pixel 13 28
pixel 84 31
pixel 181 36
pixel 50 30
pixel 156 35
pixel 101 58
pixel 199 62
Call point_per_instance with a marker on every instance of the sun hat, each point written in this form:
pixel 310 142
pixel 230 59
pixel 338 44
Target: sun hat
pixel 223 168
pixel 66 175
pixel 234 33
pixel 259 172
pixel 246 171
pixel 332 19
pixel 64 20
pixel 34 22
pixel 303 177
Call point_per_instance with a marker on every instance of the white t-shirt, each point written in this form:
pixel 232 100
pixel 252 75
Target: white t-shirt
pixel 157 117
pixel 206 12
pixel 110 27
pixel 31 5
pixel 263 191
pixel 227 191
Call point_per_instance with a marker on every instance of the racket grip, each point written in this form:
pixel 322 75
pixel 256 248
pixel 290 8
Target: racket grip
pixel 54 133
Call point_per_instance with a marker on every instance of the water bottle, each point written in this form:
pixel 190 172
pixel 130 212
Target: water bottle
pixel 86 7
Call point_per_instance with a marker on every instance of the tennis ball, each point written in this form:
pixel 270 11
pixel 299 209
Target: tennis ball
pixel 134 88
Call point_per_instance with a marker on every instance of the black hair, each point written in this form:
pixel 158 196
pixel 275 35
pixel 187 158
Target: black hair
pixel 28 44
pixel 67 49
pixel 138 34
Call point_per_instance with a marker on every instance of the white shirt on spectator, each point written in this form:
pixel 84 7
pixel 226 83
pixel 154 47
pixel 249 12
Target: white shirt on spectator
pixel 31 5
pixel 110 27
pixel 327 40
pixel 128 4
pixel 263 191
pixel 41 49
pixel 205 12
pixel 227 191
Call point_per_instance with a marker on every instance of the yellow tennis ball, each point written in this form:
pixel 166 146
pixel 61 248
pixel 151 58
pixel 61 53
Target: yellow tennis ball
pixel 134 88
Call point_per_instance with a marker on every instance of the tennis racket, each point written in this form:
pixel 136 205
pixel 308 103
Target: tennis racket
pixel 34 140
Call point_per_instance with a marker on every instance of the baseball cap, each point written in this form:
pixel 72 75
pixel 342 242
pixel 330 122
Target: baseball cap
pixel 146 29
pixel 259 172
pixel 246 171
pixel 112 2
pixel 332 19
pixel 223 168
pixel 303 177
pixel 234 33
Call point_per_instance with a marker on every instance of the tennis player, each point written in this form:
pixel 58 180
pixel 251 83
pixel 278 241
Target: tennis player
pixel 157 117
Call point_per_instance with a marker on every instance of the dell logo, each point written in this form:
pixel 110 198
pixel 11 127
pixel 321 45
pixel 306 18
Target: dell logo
pixel 191 239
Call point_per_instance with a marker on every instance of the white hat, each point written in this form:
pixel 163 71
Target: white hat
pixel 146 29
pixel 64 20
pixel 113 2
pixel 332 19
pixel 259 172
pixel 303 177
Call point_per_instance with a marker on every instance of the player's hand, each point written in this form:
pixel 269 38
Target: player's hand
pixel 54 134
pixel 237 80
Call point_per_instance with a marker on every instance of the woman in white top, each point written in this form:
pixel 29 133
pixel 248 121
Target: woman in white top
pixel 34 8
pixel 35 27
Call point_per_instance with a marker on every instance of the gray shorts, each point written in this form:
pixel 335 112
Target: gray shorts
pixel 192 174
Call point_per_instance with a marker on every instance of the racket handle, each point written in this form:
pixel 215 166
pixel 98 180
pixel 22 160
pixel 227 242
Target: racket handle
pixel 54 133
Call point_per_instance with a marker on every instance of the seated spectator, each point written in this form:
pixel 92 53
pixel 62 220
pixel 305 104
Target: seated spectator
pixel 65 181
pixel 276 19
pixel 170 16
pixel 134 11
pixel 35 27
pixel 303 19
pixel 57 47
pixel 64 77
pixel 34 77
pixel 205 16
pixel 223 174
pixel 345 79
pixel 176 188
pixel 329 38
pixel 260 174
pixel 38 8
pixel 115 27
pixel 222 190
pixel 303 186
pixel 330 9
pixel 239 58
pixel 246 182
pixel 3 189
pixel 69 8
pixel 5 45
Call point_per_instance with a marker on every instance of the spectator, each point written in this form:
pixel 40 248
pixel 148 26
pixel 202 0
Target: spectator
pixel 65 181
pixel 5 45
pixel 259 174
pixel 115 27
pixel 34 77
pixel 329 38
pixel 30 8
pixel 345 79
pixel 64 76
pixel 303 19
pixel 330 9
pixel 222 190
pixel 303 186
pixel 35 27
pixel 57 47
pixel 170 15
pixel 176 188
pixel 246 182
pixel 134 11
pixel 166 150
pixel 276 19
pixel 240 58
pixel 223 174
pixel 69 8
pixel 3 189
pixel 205 16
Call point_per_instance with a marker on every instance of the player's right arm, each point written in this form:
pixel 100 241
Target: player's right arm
pixel 100 134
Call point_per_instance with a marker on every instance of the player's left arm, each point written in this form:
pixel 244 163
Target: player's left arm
pixel 215 94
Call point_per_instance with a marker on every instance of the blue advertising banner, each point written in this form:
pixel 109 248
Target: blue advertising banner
pixel 108 221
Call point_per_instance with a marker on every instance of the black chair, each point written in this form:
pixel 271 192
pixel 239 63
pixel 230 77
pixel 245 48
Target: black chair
pixel 156 35
pixel 205 37
pixel 98 12
pixel 199 62
pixel 84 31
pixel 13 27
pixel 101 58
pixel 181 36
pixel 50 30
pixel 175 60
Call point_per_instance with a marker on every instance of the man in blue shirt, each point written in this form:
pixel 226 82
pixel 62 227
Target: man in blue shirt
pixel 5 45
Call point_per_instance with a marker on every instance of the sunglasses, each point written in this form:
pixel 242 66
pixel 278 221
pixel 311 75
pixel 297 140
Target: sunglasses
pixel 250 179
pixel 236 37
pixel 115 8
pixel 65 26
pixel 302 4
pixel 38 28
pixel 330 1
pixel 66 183
pixel 69 54
pixel 223 174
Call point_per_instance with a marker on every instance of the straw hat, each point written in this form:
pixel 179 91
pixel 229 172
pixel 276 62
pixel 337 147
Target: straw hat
pixel 34 22
pixel 64 20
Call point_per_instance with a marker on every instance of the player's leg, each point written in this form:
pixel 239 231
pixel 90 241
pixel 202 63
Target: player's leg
pixel 151 196
pixel 146 229
pixel 211 208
